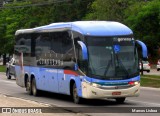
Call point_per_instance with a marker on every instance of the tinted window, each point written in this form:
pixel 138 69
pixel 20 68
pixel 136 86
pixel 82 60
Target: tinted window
pixel 54 48
pixel 61 42
pixel 43 44
pixel 23 43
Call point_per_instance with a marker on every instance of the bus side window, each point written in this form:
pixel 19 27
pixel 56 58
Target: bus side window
pixel 23 44
pixel 62 48
pixel 42 45
pixel 67 47
pixel 68 51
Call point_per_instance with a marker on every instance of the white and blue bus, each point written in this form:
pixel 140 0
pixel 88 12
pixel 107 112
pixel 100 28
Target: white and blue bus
pixel 84 59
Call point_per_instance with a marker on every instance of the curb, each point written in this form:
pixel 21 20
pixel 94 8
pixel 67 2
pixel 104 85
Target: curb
pixel 150 88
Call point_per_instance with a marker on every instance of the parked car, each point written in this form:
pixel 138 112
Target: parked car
pixel 158 65
pixel 10 68
pixel 146 66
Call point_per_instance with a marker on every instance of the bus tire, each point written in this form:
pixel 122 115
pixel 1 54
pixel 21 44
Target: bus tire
pixel 120 100
pixel 28 86
pixel 75 96
pixel 35 91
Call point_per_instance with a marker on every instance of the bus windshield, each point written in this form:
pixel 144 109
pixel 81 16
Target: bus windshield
pixel 112 58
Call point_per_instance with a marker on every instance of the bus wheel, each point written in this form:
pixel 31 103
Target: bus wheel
pixel 28 87
pixel 76 98
pixel 34 87
pixel 120 100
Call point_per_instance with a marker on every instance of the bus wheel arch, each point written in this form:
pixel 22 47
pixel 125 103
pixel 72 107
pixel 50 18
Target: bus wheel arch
pixel 71 87
pixel 74 93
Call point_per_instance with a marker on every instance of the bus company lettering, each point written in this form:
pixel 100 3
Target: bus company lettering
pixel 52 62
pixel 125 39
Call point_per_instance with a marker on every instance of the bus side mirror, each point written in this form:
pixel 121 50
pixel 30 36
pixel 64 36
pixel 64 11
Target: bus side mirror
pixel 84 50
pixel 144 49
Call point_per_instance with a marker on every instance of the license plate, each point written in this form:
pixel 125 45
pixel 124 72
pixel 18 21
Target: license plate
pixel 116 93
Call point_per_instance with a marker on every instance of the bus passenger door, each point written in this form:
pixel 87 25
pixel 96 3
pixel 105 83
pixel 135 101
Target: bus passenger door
pixel 63 82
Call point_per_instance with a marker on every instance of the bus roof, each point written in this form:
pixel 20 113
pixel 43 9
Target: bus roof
pixel 90 28
pixel 101 28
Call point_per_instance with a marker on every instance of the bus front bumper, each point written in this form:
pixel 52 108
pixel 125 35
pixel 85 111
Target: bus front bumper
pixel 91 92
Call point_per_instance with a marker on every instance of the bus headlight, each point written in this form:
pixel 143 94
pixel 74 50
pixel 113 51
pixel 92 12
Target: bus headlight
pixel 95 85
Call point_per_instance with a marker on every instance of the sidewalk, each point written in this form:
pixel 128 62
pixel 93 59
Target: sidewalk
pixel 6 101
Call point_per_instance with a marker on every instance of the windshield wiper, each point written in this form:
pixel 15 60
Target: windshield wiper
pixel 108 66
pixel 123 67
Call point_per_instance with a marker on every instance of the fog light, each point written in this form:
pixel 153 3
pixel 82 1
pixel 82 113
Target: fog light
pixel 136 82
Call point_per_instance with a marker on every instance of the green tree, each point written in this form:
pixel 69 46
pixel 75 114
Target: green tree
pixel 144 19
pixel 10 21
pixel 21 14
pixel 108 10
pixel 71 11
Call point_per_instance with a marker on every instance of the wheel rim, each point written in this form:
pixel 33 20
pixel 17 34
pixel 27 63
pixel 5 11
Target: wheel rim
pixel 75 95
pixel 28 86
pixel 34 87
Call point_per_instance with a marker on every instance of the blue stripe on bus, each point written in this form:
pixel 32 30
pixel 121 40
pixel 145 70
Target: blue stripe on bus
pixel 112 82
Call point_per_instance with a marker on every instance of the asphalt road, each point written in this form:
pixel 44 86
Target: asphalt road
pixel 149 97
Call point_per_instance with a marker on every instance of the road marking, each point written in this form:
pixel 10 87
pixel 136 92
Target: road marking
pixel 145 102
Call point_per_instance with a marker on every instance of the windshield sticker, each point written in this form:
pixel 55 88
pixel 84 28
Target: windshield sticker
pixel 117 48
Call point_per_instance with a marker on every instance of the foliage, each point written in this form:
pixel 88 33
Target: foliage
pixel 144 19
pixel 33 13
pixel 10 21
pixel 108 10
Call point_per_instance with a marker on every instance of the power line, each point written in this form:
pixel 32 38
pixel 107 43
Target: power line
pixel 38 4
